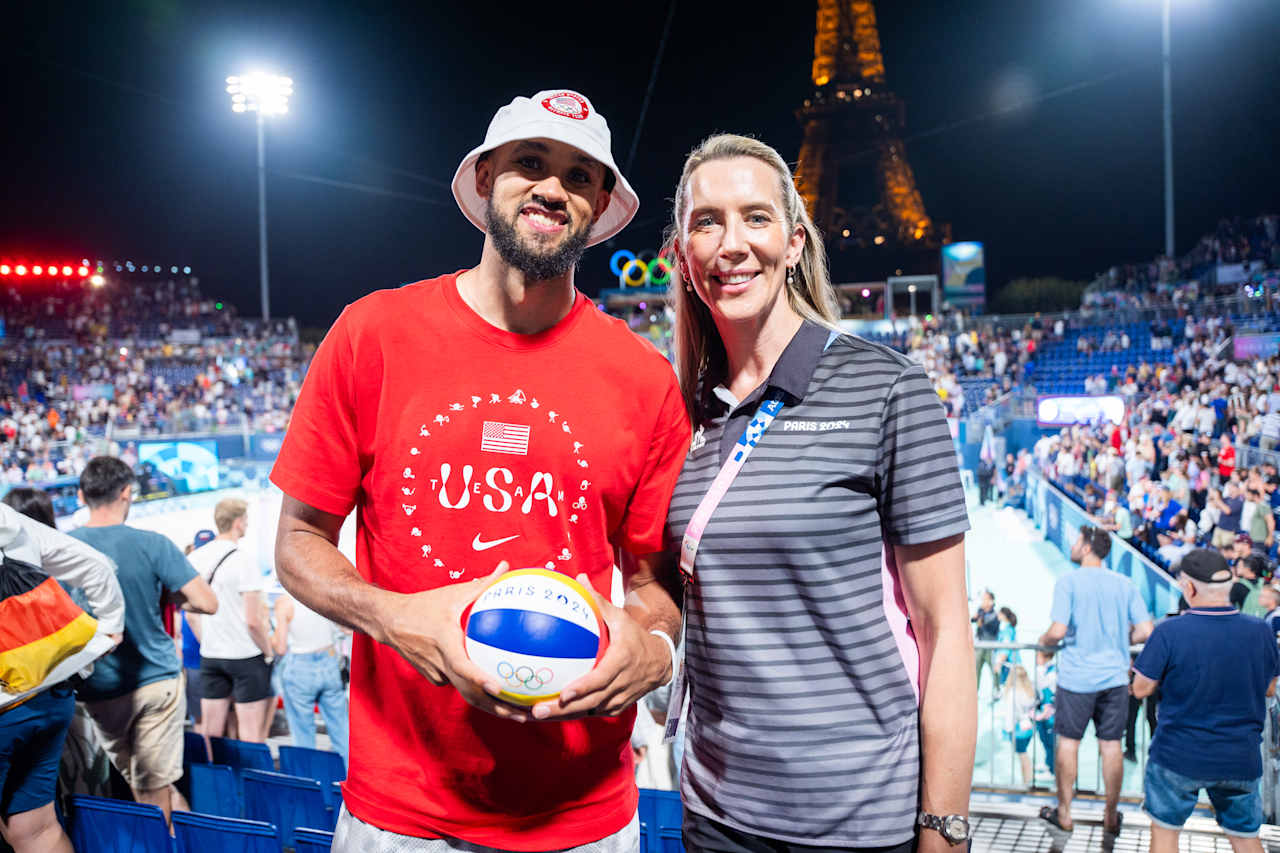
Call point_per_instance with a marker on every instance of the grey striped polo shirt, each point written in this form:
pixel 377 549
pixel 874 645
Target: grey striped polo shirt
pixel 802 722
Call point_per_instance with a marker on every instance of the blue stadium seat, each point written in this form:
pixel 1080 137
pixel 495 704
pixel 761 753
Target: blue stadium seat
pixel 240 754
pixel 319 764
pixel 306 840
pixel 661 816
pixel 202 833
pixel 195 749
pixel 214 790
pixel 287 801
pixel 116 826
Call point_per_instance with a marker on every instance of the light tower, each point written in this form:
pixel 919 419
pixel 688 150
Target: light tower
pixel 265 95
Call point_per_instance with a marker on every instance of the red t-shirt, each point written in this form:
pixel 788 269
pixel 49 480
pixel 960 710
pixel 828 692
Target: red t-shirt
pixel 462 445
pixel 1226 461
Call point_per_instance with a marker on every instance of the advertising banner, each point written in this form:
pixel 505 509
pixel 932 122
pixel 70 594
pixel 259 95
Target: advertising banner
pixel 1071 409
pixel 1250 347
pixel 964 275
pixel 93 391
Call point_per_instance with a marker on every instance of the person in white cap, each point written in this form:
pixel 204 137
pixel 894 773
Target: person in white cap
pixel 490 415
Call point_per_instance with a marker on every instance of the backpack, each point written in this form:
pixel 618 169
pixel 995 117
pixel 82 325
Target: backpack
pixel 40 626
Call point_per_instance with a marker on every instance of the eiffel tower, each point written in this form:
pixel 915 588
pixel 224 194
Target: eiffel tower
pixel 853 172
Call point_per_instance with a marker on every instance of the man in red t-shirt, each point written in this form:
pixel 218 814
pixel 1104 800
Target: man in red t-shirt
pixel 490 415
pixel 1226 457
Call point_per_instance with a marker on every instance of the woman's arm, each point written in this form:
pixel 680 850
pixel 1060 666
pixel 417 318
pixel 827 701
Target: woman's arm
pixel 933 584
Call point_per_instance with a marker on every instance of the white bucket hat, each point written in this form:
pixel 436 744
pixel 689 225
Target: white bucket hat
pixel 566 117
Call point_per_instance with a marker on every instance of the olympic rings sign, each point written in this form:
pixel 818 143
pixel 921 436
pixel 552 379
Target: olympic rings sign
pixel 648 268
pixel 524 676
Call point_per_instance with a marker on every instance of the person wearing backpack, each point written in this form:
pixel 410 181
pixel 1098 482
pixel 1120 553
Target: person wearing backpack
pixel 135 695
pixel 32 730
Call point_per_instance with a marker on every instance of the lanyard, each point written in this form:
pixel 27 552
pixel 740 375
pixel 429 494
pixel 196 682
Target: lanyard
pixel 765 414
pixel 720 486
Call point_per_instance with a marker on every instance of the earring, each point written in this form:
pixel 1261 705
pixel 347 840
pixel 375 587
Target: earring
pixel 791 275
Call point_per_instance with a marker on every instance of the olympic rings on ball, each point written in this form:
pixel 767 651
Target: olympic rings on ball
pixel 639 271
pixel 524 676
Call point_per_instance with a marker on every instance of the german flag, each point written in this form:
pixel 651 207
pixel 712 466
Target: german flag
pixel 40 626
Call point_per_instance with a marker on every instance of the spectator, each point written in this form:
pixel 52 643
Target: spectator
pixel 1098 613
pixel 988 622
pixel 135 695
pixel 32 733
pixel 1247 590
pixel 312 673
pixel 235 644
pixel 189 633
pixel 1047 678
pixel 1214 667
pixel 1008 633
pixel 1269 599
pixel 986 479
pixel 1020 722
pixel 1230 508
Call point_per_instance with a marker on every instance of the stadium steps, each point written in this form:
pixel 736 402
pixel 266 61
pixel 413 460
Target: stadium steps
pixel 1015 827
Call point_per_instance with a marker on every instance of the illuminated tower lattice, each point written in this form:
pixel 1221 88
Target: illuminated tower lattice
pixel 853 171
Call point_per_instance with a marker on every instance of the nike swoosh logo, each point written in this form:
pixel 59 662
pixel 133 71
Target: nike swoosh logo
pixel 481 545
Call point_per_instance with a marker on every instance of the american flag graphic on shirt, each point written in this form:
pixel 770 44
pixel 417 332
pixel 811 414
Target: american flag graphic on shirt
pixel 497 437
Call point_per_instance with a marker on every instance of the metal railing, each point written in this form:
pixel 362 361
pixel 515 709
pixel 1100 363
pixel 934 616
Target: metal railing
pixel 996 764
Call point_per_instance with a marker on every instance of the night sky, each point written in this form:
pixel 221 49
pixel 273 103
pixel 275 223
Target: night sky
pixel 120 142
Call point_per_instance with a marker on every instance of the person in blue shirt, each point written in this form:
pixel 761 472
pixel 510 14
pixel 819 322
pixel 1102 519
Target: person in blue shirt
pixel 135 695
pixel 1098 613
pixel 1215 667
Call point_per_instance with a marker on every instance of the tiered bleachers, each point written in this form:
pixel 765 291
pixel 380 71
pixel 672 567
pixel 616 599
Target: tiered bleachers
pixel 1060 367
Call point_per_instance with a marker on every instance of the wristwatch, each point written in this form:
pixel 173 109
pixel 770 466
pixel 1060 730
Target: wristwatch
pixel 953 827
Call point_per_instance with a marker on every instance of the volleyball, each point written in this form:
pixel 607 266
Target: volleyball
pixel 535 631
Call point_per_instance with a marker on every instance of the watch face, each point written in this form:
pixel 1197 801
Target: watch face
pixel 955 828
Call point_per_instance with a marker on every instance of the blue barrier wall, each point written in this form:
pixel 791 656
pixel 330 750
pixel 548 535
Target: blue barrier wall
pixel 1061 518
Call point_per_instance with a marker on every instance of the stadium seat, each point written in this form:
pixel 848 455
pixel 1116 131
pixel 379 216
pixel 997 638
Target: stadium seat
pixel 319 764
pixel 195 749
pixel 240 754
pixel 287 801
pixel 660 815
pixel 307 840
pixel 202 833
pixel 115 826
pixel 214 790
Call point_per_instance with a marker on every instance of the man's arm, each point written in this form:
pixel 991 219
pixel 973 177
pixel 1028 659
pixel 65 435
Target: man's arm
pixel 1142 687
pixel 933 585
pixel 636 661
pixel 1052 637
pixel 424 628
pixel 196 596
pixel 255 620
pixel 1139 632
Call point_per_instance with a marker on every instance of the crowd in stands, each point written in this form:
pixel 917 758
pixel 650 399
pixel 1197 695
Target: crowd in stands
pixel 82 363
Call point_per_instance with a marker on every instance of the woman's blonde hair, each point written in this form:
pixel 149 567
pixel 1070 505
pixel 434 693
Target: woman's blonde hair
pixel 699 351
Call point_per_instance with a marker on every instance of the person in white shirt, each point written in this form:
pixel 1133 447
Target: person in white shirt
pixel 312 673
pixel 32 733
pixel 234 643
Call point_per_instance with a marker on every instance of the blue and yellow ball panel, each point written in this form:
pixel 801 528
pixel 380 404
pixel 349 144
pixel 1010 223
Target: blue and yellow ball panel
pixel 535 631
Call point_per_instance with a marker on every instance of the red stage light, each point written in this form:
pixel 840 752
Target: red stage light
pixel 52 269
pixel 37 270
pixel 4 269
pixel 82 272
pixel 66 270
pixel 20 269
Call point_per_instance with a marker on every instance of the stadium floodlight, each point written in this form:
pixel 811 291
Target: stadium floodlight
pixel 265 95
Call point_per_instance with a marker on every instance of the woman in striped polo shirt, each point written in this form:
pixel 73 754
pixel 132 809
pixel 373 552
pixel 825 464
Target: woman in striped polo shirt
pixel 831 700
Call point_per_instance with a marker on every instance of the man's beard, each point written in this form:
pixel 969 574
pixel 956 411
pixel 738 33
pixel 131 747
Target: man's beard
pixel 537 265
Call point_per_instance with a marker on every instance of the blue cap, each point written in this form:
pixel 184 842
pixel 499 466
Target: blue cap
pixel 204 537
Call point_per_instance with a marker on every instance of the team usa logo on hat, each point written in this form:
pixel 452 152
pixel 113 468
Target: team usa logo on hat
pixel 567 104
